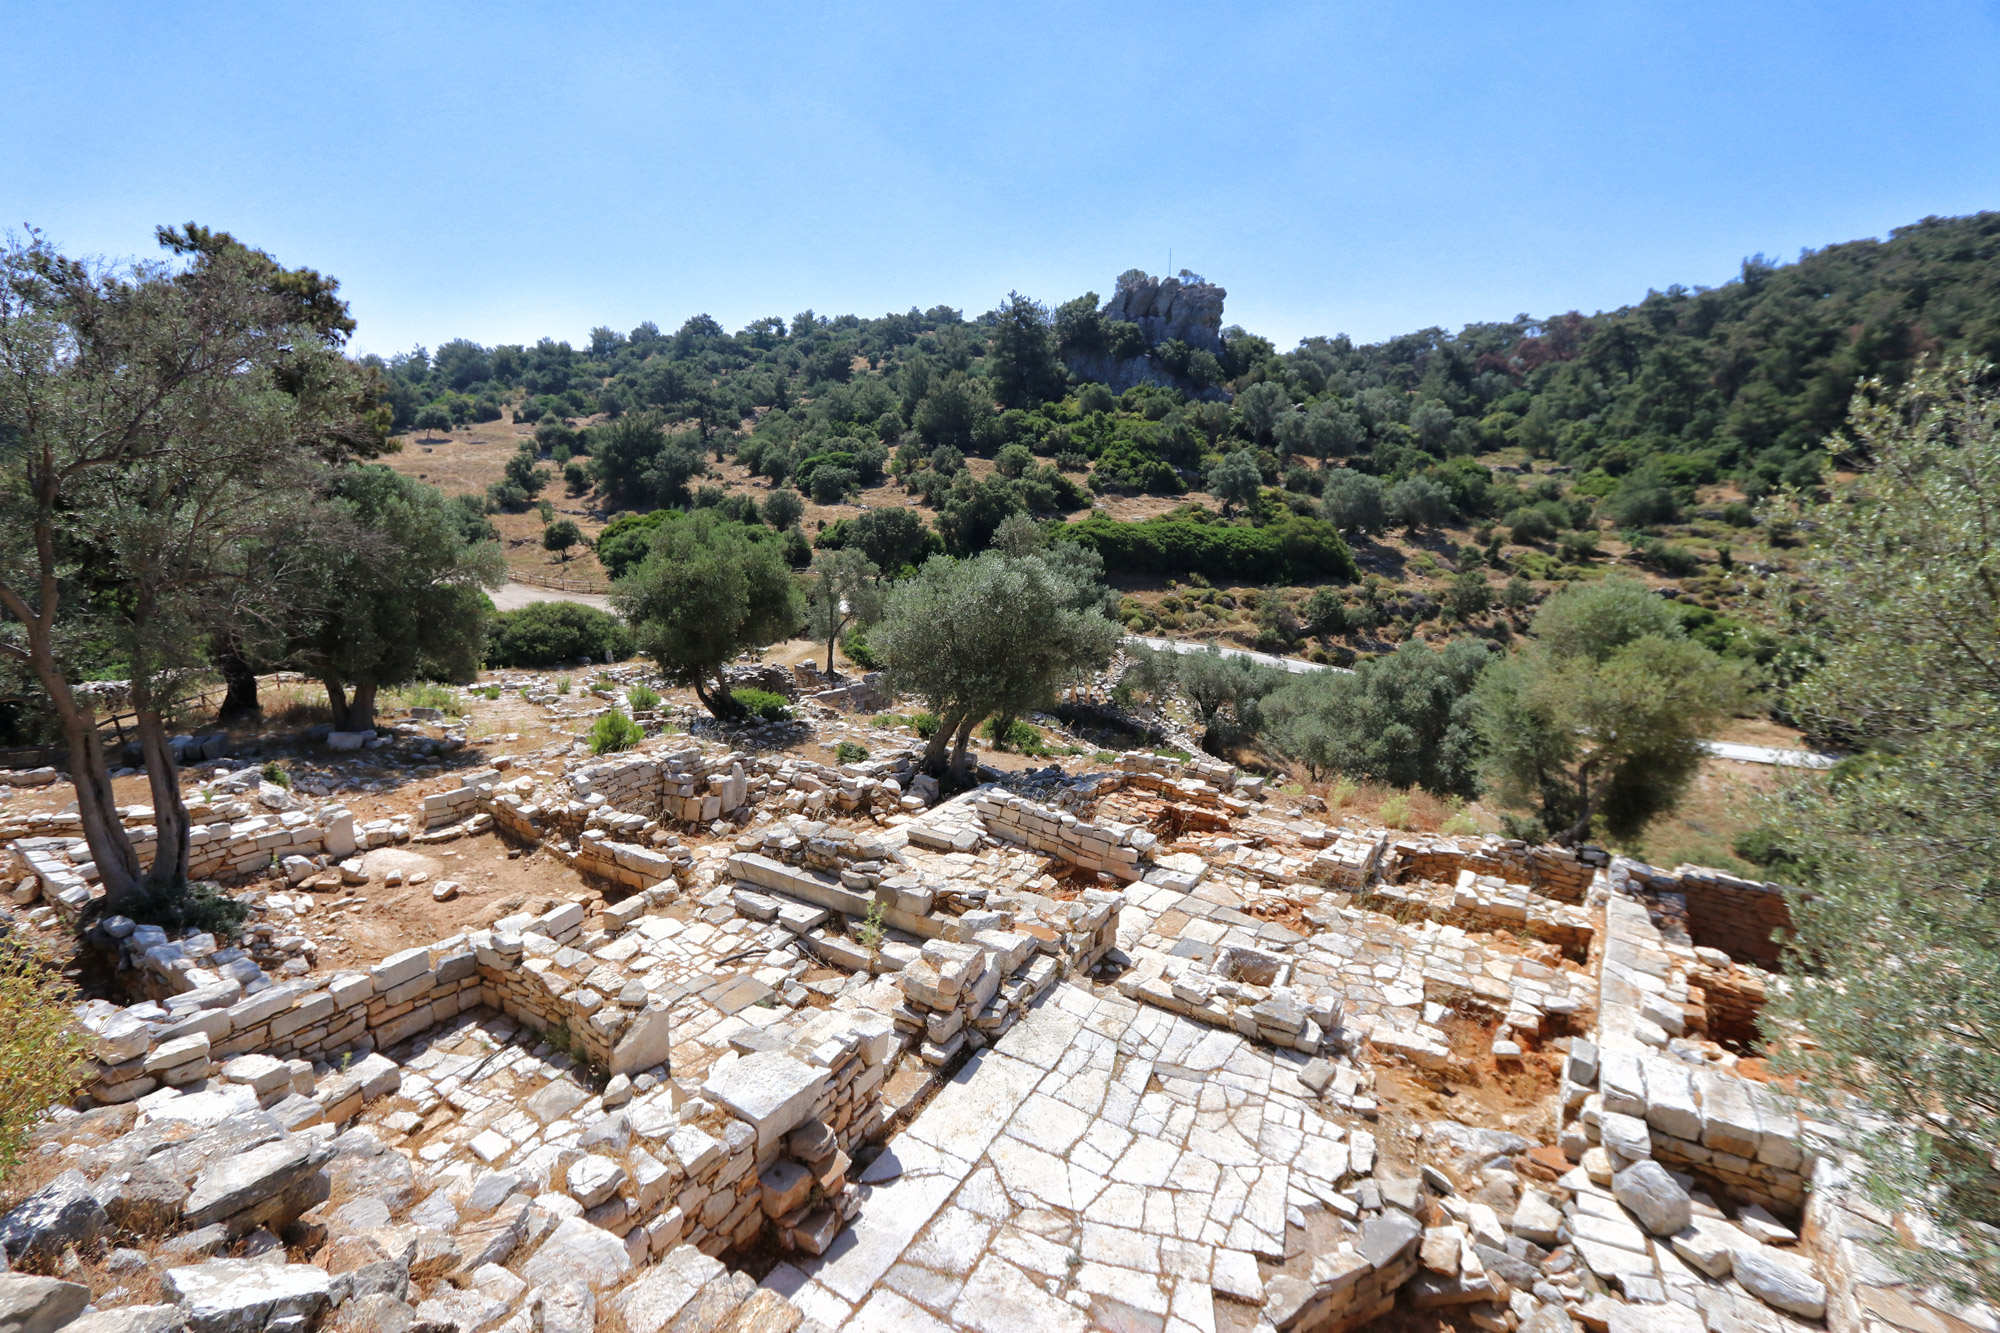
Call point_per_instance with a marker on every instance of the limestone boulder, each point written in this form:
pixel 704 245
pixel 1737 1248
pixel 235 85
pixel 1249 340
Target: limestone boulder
pixel 1651 1194
pixel 248 1295
pixel 1782 1281
pixel 39 1304
pixel 61 1213
pixel 237 1185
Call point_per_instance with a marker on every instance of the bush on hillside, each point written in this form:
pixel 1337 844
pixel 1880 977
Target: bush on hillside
pixel 543 634
pixel 1289 549
pixel 625 541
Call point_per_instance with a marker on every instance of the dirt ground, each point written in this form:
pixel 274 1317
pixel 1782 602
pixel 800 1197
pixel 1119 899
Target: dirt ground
pixel 494 880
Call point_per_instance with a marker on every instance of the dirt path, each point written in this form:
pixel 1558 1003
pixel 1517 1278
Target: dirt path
pixel 511 596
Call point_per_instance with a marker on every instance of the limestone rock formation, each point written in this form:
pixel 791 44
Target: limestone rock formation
pixel 1186 308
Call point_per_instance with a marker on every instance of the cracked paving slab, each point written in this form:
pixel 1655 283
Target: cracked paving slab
pixel 1098 1167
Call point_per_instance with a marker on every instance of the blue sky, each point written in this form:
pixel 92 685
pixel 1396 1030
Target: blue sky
pixel 505 171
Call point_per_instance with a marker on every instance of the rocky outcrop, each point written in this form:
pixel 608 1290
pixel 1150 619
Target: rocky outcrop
pixel 1165 308
pixel 1184 309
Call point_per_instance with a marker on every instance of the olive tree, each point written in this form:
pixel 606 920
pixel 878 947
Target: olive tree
pixel 157 423
pixel 707 589
pixel 403 592
pixel 991 634
pixel 1354 502
pixel 1600 715
pixel 842 588
pixel 1235 479
pixel 1895 948
pixel 1406 718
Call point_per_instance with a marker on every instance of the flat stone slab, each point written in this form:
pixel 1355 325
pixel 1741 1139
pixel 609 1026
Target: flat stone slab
pixel 769 1089
pixel 242 1295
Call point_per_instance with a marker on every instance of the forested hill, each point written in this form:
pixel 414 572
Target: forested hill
pixel 1687 386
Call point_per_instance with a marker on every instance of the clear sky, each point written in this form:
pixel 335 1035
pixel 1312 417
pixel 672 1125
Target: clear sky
pixel 507 171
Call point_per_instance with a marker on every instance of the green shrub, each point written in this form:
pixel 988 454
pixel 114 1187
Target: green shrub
pixel 562 684
pixel 626 540
pixel 41 1055
pixel 642 698
pixel 276 774
pixel 201 906
pixel 543 634
pixel 848 752
pixel 855 645
pixel 613 731
pixel 1020 738
pixel 924 724
pixel 1289 549
pixel 1577 547
pixel 1669 559
pixel 1528 525
pixel 763 703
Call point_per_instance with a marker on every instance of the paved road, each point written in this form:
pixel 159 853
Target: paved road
pixel 1296 666
pixel 512 596
pixel 1742 754
pixel 1766 754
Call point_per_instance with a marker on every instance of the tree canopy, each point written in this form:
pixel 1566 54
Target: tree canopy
pixel 992 634
pixel 1406 719
pixel 842 588
pixel 1895 951
pixel 403 594
pixel 161 428
pixel 1600 715
pixel 707 589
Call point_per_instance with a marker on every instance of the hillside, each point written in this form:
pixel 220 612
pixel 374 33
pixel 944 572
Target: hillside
pixel 1538 450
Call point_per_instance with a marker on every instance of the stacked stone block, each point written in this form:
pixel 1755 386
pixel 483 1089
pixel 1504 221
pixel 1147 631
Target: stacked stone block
pixel 1108 848
pixel 949 987
pixel 1553 872
pixel 1636 1098
pixel 1349 861
pixel 1486 902
pixel 627 863
pixel 1352 1286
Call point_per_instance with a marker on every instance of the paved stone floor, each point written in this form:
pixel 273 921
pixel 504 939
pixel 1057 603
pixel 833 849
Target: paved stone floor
pixel 1106 1164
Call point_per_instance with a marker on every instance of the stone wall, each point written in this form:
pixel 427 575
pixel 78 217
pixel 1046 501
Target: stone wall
pixel 1853 1241
pixel 1553 872
pixel 1486 902
pixel 1354 1285
pixel 1108 848
pixel 715 1188
pixel 1737 916
pixel 1635 1093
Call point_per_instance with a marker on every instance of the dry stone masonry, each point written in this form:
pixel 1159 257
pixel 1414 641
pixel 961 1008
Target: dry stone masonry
pixel 1133 1050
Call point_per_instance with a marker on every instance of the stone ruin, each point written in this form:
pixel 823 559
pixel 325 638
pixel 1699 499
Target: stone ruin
pixel 1142 1051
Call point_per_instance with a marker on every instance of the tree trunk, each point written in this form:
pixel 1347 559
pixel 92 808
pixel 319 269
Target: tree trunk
pixel 241 700
pixel 336 699
pixel 168 874
pixel 1586 809
pixel 361 707
pixel 96 804
pixel 940 740
pixel 829 649
pixel 717 699
pixel 959 769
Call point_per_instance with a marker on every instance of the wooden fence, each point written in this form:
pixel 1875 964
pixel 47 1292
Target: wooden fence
pixel 559 583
